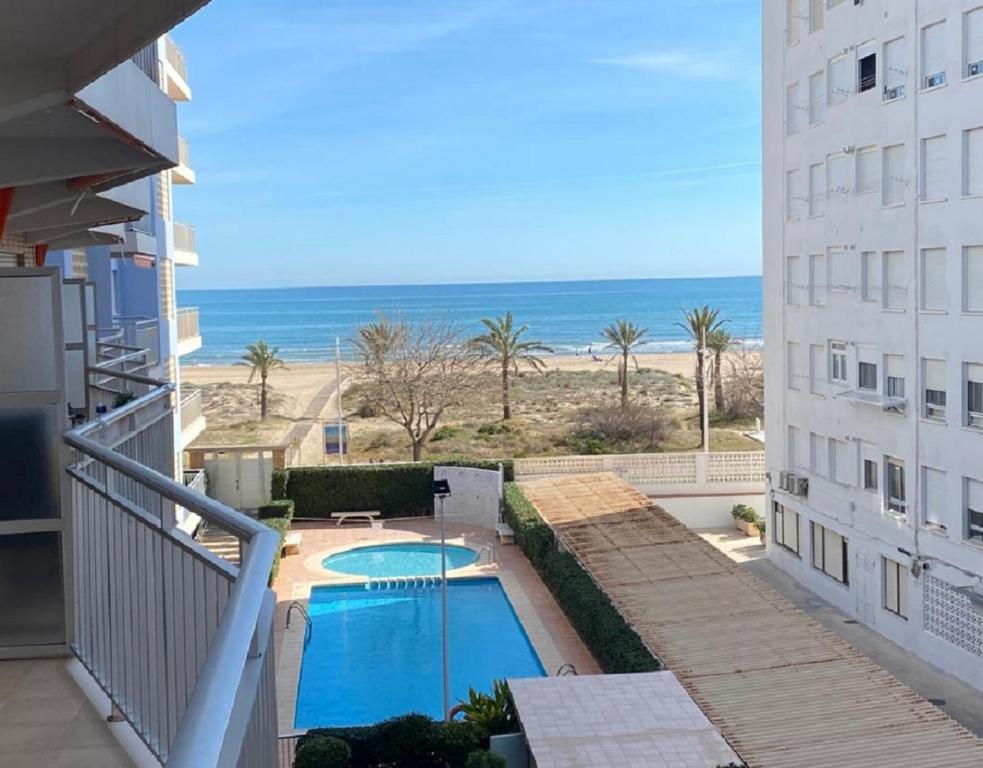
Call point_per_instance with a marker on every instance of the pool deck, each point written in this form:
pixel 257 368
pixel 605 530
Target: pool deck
pixel 555 641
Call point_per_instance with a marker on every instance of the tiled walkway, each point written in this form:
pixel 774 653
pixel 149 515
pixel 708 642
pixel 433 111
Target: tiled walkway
pixel 47 722
pixel 782 689
pixel 555 641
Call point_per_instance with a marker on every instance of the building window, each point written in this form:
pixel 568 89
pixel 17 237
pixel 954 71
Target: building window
pixel 894 376
pixel 867 376
pixel 841 469
pixel 973 35
pixel 792 195
pixel 895 68
pixel 933 374
pixel 817 280
pixel 894 180
pixel 817 358
pixel 794 454
pixel 839 80
pixel 817 189
pixel 933 168
pixel 895 587
pixel 818 454
pixel 974 509
pixel 838 178
pixel 974 395
pixel 895 293
pixel 933 56
pixel 933 295
pixel 973 162
pixel 894 477
pixel 837 356
pixel 829 553
pixel 786 528
pixel 870 475
pixel 867 72
pixel 933 497
pixel 792 109
pixel 841 270
pixel 792 21
pixel 791 278
pixel 866 170
pixel 816 8
pixel 817 98
pixel 973 278
pixel 870 276
pixel 792 363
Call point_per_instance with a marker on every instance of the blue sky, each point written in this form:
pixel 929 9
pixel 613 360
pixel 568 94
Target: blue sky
pixel 424 141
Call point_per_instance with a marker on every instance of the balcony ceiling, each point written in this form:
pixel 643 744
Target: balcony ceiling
pixel 51 211
pixel 52 48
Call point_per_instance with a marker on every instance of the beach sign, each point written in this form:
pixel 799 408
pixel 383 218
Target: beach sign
pixel 332 443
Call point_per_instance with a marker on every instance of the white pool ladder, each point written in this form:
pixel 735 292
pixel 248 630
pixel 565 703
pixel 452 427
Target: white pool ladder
pixel 309 625
pixel 488 553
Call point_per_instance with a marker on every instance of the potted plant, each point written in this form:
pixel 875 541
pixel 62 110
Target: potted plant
pixel 746 519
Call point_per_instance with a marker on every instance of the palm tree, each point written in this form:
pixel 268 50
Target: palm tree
pixel 718 342
pixel 624 336
pixel 502 347
pixel 263 361
pixel 700 325
pixel 375 340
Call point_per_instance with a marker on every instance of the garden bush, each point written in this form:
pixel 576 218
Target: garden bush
pixel 614 644
pixel 277 508
pixel 485 760
pixel 638 427
pixel 395 490
pixel 281 525
pixel 323 752
pixel 744 512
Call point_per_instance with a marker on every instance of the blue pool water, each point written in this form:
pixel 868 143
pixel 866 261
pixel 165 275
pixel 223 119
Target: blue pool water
pixel 376 654
pixel 398 560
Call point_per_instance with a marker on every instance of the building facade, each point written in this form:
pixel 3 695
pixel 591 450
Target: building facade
pixel 873 264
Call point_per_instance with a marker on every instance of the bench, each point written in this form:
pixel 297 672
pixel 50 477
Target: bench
pixel 505 533
pixel 368 517
pixel 291 543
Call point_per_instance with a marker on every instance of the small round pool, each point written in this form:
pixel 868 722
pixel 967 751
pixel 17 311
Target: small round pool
pixel 386 560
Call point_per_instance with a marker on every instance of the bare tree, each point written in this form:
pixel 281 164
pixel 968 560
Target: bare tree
pixel 427 368
pixel 745 383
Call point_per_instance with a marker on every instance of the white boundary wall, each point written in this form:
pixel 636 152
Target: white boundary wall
pixel 476 495
pixel 699 489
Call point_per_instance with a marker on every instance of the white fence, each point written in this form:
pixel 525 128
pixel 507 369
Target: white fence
pixel 656 469
pixel 476 495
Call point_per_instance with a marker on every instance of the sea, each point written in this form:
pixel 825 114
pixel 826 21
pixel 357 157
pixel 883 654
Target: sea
pixel 566 316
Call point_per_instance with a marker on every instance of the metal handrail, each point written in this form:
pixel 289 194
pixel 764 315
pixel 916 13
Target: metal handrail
pixel 215 709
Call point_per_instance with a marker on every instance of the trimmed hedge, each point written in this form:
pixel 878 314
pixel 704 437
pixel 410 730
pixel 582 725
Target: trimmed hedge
pixel 615 645
pixel 409 740
pixel 277 515
pixel 395 490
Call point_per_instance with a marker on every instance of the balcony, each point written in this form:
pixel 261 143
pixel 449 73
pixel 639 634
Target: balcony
pixel 192 417
pixel 874 398
pixel 147 597
pixel 185 245
pixel 183 173
pixel 175 72
pixel 140 333
pixel 188 332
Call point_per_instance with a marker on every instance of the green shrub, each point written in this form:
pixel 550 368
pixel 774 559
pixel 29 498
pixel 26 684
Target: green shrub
pixel 744 512
pixel 445 433
pixel 122 398
pixel 485 760
pixel 323 752
pixel 277 508
pixel 395 490
pixel 409 740
pixel 456 740
pixel 278 486
pixel 493 713
pixel 281 525
pixel 614 644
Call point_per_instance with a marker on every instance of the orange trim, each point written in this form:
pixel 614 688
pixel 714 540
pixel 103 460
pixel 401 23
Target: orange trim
pixel 6 202
pixel 40 254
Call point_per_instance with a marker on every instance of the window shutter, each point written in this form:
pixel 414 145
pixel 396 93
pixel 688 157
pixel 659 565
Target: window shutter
pixel 793 194
pixel 866 170
pixel 973 278
pixel 895 64
pixel 933 52
pixel 839 174
pixel 817 545
pixel 817 98
pixel 871 276
pixel 839 80
pixel 973 147
pixel 894 175
pixel 792 109
pixel 974 494
pixel 895 282
pixel 817 189
pixel 933 279
pixel 933 168
pixel 834 553
pixel 974 36
pixel 790 530
pixel 934 371
pixel 816 9
pixel 934 496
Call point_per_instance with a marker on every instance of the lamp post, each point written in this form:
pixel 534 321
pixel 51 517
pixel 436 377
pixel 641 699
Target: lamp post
pixel 441 490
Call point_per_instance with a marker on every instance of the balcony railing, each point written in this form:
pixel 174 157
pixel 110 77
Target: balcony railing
pixel 187 323
pixel 191 409
pixel 146 60
pixel 184 238
pixel 179 640
pixel 175 57
pixel 141 332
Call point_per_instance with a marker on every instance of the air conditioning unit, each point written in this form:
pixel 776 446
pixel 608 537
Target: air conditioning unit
pixel 800 487
pixel 975 68
pixel 890 94
pixel 785 480
pixel 933 81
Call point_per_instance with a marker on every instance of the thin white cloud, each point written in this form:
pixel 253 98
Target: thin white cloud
pixel 720 67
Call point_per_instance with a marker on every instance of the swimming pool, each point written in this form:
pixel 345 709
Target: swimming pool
pixel 375 654
pixel 410 559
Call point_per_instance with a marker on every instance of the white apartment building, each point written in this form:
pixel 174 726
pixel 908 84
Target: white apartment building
pixel 873 265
